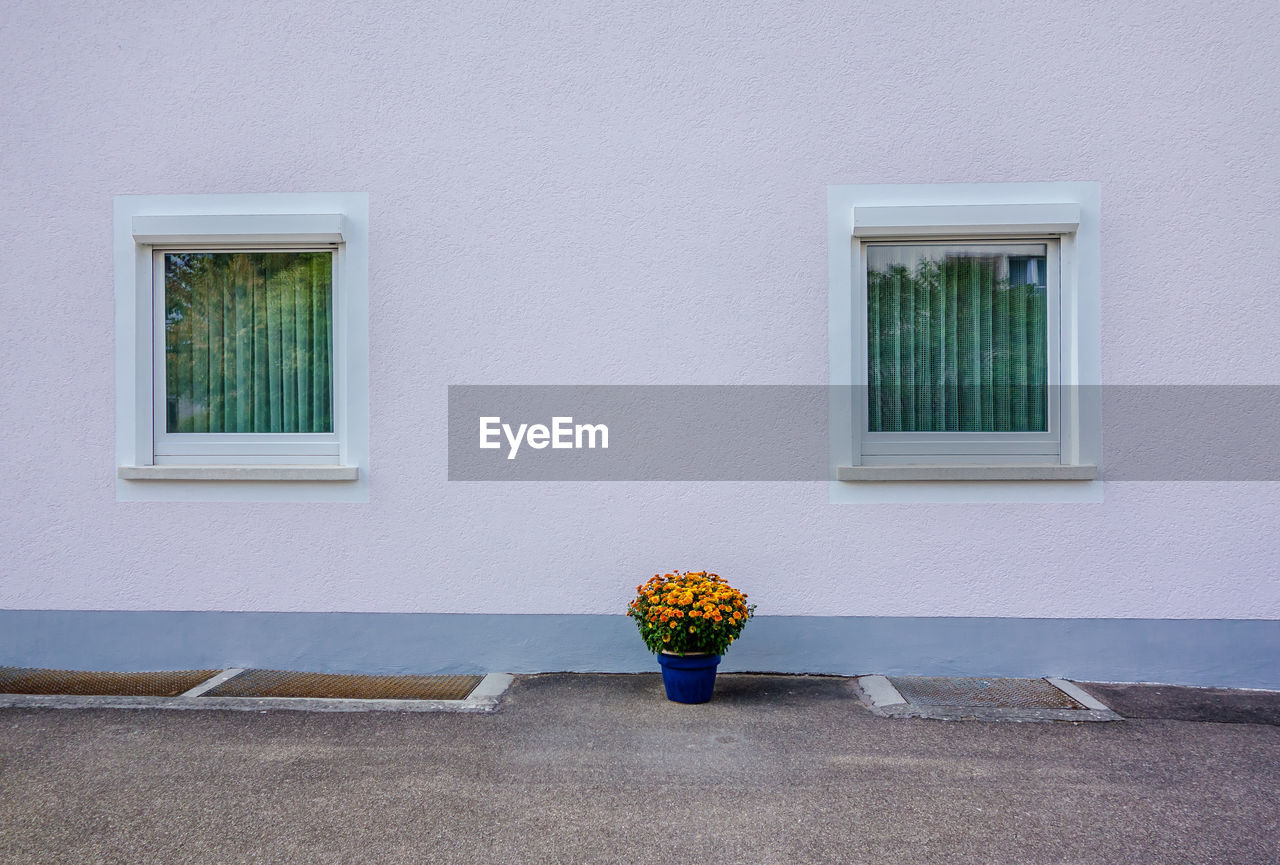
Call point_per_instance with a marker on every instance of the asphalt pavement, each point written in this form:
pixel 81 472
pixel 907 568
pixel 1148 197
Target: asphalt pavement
pixel 602 769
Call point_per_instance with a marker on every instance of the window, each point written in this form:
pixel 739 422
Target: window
pixel 244 362
pixel 960 338
pixel 242 347
pixel 963 327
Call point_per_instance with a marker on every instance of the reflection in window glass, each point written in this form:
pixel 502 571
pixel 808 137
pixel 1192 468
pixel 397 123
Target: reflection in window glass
pixel 248 342
pixel 957 337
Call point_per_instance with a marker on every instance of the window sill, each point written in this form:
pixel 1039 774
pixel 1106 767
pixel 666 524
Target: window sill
pixel 967 473
pixel 238 473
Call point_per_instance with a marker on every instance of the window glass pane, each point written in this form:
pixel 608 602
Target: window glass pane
pixel 957 337
pixel 248 342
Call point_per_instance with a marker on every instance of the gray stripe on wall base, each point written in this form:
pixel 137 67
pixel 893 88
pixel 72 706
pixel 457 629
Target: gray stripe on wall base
pixel 1241 653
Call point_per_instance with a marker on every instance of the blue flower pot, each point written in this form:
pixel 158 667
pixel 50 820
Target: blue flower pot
pixel 689 678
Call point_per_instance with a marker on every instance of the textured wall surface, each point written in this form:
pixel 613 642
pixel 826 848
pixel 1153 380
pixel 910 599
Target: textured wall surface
pixel 565 194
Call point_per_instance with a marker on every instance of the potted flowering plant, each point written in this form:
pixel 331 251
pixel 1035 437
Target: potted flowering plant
pixel 689 619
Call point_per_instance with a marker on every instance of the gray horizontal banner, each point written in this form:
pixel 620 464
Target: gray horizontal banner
pixel 780 432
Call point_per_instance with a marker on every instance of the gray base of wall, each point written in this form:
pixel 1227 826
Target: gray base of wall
pixel 1242 653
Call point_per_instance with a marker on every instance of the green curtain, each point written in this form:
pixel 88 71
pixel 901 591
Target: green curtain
pixel 247 342
pixel 954 345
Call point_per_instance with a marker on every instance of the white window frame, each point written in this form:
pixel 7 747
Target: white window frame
pixel 242 466
pixel 172 448
pixel 897 448
pixel 942 467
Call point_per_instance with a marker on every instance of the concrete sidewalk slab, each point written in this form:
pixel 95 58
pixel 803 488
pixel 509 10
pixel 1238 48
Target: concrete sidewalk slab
pixel 600 769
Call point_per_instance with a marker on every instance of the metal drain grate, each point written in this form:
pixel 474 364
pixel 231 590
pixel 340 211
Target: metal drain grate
pixel 982 693
pixel 283 683
pixel 85 683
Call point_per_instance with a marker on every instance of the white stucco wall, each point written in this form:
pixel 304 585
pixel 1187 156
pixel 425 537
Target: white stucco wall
pixel 561 194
